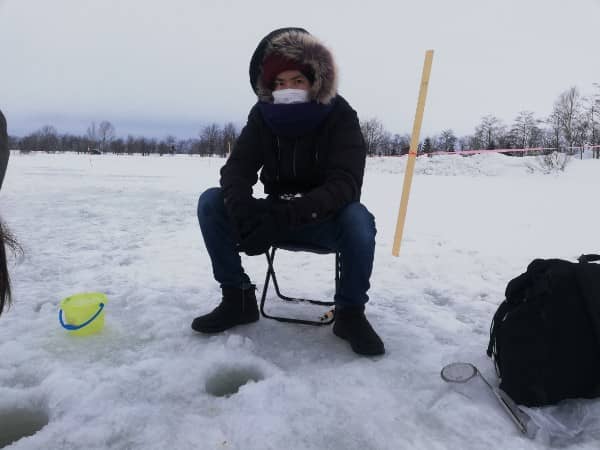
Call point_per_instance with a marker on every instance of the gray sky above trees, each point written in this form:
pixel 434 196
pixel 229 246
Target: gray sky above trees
pixel 169 67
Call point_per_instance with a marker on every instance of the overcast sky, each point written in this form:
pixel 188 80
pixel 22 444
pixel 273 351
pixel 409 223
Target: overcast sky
pixel 169 67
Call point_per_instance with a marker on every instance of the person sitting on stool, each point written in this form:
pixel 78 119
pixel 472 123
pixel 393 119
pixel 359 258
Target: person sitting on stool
pixel 305 140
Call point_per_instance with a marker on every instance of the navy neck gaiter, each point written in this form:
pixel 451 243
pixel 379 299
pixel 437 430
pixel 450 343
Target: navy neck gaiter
pixel 296 119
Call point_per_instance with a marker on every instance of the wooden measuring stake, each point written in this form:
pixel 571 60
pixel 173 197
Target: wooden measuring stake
pixel 412 153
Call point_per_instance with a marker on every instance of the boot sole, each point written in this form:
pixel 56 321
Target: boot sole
pixel 356 348
pixel 214 330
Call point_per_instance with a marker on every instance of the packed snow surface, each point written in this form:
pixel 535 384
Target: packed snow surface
pixel 126 226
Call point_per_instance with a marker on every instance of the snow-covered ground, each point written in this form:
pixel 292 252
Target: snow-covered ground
pixel 126 226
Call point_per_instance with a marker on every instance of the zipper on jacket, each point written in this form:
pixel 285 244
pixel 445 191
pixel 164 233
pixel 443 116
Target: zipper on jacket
pixel 294 157
pixel 278 159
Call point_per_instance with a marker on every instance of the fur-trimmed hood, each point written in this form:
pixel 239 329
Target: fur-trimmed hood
pixel 298 45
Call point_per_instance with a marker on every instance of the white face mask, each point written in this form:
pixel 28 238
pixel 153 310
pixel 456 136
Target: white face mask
pixel 290 96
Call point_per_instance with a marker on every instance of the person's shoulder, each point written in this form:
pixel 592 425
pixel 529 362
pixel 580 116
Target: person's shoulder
pixel 254 111
pixel 342 111
pixel 341 104
pixel 254 115
pixel 342 108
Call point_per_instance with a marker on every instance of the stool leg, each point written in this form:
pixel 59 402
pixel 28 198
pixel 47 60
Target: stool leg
pixel 326 319
pixel 338 271
pixel 270 273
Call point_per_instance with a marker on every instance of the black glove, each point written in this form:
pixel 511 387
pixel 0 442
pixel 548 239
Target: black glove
pixel 269 229
pixel 247 215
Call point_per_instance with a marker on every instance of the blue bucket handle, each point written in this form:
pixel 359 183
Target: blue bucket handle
pixel 78 327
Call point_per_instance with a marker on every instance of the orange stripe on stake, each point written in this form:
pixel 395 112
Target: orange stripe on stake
pixel 412 154
pixel 508 150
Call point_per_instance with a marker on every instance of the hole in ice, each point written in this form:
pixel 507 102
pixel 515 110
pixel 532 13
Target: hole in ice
pixel 228 380
pixel 20 422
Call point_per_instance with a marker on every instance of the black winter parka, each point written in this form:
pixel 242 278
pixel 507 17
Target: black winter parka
pixel 326 166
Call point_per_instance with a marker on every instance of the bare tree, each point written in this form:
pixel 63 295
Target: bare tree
pixel 427 145
pixel 228 138
pixel 393 145
pixel 162 147
pixel 92 135
pixel 593 111
pixel 47 137
pixel 553 133
pixel 489 131
pixel 374 134
pixel 446 141
pixel 106 134
pixel 466 143
pixel 186 146
pixel 210 138
pixel 130 145
pixel 171 143
pixel 387 144
pixel 13 142
pixel 400 144
pixel 568 111
pixel 117 146
pixel 525 131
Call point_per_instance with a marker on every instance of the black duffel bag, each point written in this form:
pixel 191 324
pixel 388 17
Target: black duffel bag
pixel 545 337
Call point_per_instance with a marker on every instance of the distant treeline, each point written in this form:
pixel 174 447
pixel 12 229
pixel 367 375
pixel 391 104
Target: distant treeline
pixel 573 122
pixel 101 138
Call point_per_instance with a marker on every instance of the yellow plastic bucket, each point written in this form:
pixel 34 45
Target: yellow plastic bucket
pixel 84 313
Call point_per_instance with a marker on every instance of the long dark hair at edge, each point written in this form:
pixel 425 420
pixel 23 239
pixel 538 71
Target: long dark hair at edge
pixel 7 240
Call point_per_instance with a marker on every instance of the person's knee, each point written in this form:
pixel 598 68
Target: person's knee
pixel 358 224
pixel 209 202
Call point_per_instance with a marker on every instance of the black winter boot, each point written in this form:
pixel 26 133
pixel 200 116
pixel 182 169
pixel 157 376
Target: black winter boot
pixel 238 306
pixel 352 325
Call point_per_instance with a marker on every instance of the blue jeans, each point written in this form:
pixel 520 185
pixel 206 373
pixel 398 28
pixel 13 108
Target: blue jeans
pixel 351 232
